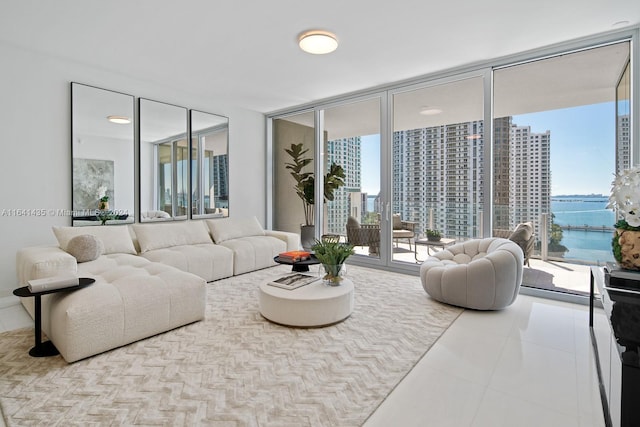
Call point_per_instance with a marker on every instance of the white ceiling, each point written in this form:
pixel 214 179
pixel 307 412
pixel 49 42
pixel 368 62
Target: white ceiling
pixel 245 52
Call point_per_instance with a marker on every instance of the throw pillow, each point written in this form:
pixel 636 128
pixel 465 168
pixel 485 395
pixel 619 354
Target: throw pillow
pixel 352 223
pixel 232 228
pixel 85 247
pixel 397 222
pixel 522 233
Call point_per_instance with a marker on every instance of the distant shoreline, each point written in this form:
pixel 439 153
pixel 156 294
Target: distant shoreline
pixel 583 196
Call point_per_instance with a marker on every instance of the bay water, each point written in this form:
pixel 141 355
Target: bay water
pixel 594 243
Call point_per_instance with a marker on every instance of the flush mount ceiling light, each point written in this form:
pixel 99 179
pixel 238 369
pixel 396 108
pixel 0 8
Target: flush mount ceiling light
pixel 430 111
pixel 620 24
pixel 318 42
pixel 121 120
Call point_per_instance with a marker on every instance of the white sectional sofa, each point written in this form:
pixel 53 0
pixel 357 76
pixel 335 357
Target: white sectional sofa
pixel 150 278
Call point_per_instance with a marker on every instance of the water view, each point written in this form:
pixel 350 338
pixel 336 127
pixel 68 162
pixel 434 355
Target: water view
pixel 587 226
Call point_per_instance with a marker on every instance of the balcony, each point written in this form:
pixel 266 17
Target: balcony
pixel 566 277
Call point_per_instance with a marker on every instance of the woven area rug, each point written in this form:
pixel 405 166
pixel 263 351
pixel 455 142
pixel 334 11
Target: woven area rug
pixel 235 368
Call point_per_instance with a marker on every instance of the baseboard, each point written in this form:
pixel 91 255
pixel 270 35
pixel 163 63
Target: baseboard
pixel 8 301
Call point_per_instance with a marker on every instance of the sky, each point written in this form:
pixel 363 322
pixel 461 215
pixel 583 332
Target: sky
pixel 582 149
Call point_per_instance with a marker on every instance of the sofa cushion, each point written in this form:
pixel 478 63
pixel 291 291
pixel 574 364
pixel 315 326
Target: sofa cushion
pixel 115 238
pixel 168 234
pixel 226 229
pixel 254 252
pixel 85 247
pixel 206 260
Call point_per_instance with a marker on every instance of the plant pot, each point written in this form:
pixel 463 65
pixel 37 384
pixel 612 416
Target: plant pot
pixel 332 275
pixel 434 238
pixel 307 236
pixel 103 206
pixel 626 248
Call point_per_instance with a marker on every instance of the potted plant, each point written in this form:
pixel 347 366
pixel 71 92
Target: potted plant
pixel 103 199
pixel 305 187
pixel 433 235
pixel 332 255
pixel 625 198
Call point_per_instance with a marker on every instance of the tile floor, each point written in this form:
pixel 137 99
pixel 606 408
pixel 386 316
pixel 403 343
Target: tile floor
pixel 528 365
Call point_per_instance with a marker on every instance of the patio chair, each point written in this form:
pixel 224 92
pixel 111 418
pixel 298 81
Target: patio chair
pixel 522 235
pixel 363 235
pixel 403 229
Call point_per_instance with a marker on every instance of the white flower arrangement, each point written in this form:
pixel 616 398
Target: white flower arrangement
pixel 102 194
pixel 625 197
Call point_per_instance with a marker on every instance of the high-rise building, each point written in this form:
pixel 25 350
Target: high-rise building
pixel 530 176
pixel 623 144
pixel 438 178
pixel 348 199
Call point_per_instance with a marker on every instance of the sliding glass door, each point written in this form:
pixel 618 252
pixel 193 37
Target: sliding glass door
pixel 351 143
pixel 429 164
pixel 437 175
pixel 555 150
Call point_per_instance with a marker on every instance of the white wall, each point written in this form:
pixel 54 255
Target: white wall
pixel 35 165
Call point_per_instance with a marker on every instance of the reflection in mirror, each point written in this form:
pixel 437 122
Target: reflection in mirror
pixel 164 162
pixel 102 150
pixel 209 165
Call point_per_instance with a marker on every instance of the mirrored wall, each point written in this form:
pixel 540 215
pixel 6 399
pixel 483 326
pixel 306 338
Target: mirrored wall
pixel 102 150
pixel 209 165
pixel 183 160
pixel 164 162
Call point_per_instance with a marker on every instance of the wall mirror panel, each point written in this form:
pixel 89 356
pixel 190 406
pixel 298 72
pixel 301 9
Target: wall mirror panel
pixel 209 165
pixel 164 162
pixel 102 151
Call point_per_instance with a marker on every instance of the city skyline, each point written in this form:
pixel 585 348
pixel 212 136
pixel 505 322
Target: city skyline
pixel 578 168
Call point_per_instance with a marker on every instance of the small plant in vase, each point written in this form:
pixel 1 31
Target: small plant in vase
pixel 433 235
pixel 103 199
pixel 332 255
pixel 103 203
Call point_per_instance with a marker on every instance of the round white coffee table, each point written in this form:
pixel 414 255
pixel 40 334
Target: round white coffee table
pixel 312 305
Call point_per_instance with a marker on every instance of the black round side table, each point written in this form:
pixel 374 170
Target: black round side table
pixel 298 266
pixel 45 349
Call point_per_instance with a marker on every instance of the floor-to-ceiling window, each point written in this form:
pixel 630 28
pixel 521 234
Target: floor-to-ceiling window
pixel 440 159
pixel 437 174
pixel 555 150
pixel 352 142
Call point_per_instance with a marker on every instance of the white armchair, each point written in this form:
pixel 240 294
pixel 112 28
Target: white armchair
pixel 483 274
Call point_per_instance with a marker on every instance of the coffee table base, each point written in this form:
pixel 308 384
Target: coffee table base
pixel 310 306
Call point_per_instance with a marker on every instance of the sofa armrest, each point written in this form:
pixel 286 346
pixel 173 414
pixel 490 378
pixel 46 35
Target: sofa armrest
pixel 37 262
pixel 291 239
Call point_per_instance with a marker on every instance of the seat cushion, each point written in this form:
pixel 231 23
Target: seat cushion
pixel 132 298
